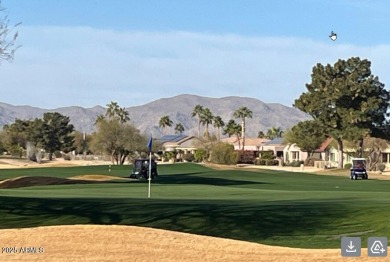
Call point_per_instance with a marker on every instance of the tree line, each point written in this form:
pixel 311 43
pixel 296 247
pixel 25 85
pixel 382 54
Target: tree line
pixel 114 136
pixel 206 118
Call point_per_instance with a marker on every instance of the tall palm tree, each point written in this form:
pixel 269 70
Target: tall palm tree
pixel 206 118
pixel 179 128
pixel 243 112
pixel 232 128
pixel 274 132
pixel 112 109
pixel 218 123
pixel 197 112
pixel 165 122
pixel 123 115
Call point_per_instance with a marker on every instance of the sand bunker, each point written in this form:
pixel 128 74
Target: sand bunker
pixel 96 177
pixel 129 243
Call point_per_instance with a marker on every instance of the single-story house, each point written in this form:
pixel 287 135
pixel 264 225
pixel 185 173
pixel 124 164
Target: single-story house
pixel 180 142
pixel 276 145
pixel 251 143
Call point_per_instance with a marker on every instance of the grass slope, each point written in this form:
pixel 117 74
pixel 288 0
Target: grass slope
pixel 277 208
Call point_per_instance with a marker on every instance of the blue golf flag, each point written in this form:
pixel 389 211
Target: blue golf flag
pixel 150 144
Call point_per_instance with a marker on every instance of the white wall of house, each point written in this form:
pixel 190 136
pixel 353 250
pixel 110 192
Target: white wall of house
pixel 334 155
pixel 293 153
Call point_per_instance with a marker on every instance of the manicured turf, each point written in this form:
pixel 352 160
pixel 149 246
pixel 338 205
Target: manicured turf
pixel 277 208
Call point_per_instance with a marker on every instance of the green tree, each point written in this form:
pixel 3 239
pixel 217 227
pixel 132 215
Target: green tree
pixel 179 128
pixel 2 142
pixel 218 123
pixel 260 134
pixel 306 135
pixel 243 113
pixel 164 123
pixel 347 101
pixel 81 142
pixel 223 153
pixel 206 118
pixel 55 133
pixel 19 133
pixel 197 112
pixel 115 136
pixel 8 37
pixel 232 128
pixel 117 139
pixel 274 132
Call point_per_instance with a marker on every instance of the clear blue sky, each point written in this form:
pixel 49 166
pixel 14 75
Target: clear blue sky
pixel 89 52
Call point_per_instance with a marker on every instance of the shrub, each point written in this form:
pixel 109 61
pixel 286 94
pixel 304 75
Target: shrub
pixel 260 162
pixel 348 166
pixel 246 157
pixel 296 163
pixel 223 153
pixel 267 154
pixel 200 155
pixel 381 167
pixel 57 154
pixel 269 162
pixel 66 157
pixel 169 155
pixel 189 157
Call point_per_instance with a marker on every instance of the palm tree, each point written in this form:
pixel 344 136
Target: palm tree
pixel 165 122
pixel 274 132
pixel 218 123
pixel 112 109
pixel 123 115
pixel 198 110
pixel 206 118
pixel 99 118
pixel 243 112
pixel 260 134
pixel 232 128
pixel 179 128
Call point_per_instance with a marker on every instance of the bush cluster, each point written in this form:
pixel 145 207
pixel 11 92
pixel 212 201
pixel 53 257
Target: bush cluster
pixel 200 155
pixel 223 153
pixel 269 154
pixel 189 157
pixel 295 163
pixel 266 162
pixel 381 167
pixel 348 166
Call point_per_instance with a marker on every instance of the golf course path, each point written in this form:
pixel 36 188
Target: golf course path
pixel 130 243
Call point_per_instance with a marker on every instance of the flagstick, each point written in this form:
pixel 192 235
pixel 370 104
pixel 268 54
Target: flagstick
pixel 150 171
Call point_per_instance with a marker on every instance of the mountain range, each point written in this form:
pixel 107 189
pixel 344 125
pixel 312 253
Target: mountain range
pixel 178 108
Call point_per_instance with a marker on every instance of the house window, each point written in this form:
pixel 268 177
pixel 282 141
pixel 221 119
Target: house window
pixel 385 157
pixel 349 158
pixel 332 157
pixel 295 155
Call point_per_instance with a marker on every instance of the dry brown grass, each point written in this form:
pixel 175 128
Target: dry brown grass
pixel 129 243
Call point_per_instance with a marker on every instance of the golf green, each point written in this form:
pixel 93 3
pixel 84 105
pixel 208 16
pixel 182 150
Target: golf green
pixel 269 207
